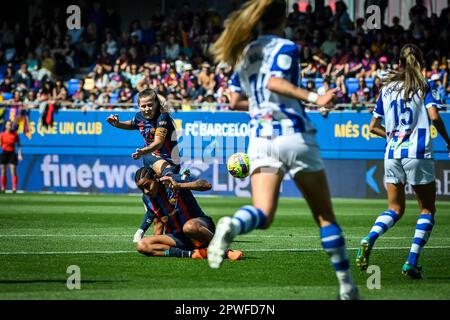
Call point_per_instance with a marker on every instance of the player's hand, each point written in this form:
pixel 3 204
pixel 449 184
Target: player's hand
pixel 138 154
pixel 169 182
pixel 113 120
pixel 19 157
pixel 327 97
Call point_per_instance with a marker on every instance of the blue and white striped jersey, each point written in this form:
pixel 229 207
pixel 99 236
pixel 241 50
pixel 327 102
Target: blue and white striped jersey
pixel 271 114
pixel 407 123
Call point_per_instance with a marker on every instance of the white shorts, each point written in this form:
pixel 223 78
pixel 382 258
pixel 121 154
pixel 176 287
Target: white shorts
pixel 289 153
pixel 412 171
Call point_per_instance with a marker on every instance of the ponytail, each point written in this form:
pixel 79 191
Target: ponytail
pixel 411 76
pixel 240 25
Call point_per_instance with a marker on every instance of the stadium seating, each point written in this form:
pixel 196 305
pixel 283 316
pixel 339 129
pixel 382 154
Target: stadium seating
pixel 352 85
pixel 7 96
pixel 72 86
pixel 114 97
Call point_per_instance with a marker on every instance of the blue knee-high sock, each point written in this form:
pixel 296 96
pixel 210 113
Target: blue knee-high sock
pixel 178 253
pixel 334 244
pixel 384 222
pixel 247 219
pixel 146 222
pixel 424 227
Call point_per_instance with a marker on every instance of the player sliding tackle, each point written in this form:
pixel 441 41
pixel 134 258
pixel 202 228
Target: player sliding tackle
pixel 282 138
pixel 171 205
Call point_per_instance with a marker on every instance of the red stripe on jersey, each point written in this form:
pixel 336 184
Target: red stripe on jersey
pixel 160 215
pixel 184 208
pixel 169 207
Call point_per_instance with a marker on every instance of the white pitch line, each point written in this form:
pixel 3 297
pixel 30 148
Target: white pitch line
pixel 245 250
pixel 240 237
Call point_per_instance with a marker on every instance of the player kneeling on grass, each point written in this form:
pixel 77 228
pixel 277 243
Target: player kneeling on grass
pixel 172 206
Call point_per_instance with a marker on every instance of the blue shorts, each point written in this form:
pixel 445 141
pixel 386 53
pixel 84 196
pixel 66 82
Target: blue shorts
pixel 183 242
pixel 151 159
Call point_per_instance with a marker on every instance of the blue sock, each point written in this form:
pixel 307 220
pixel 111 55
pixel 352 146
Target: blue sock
pixel 384 222
pixel 168 171
pixel 146 222
pixel 247 219
pixel 334 244
pixel 424 227
pixel 178 253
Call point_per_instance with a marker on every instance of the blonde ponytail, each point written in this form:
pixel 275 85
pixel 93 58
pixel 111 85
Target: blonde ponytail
pixel 411 76
pixel 238 31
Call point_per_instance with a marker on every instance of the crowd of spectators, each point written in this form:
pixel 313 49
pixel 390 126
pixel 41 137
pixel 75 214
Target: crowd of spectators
pixel 42 64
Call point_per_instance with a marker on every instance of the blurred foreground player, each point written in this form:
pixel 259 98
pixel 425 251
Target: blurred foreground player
pixel 282 138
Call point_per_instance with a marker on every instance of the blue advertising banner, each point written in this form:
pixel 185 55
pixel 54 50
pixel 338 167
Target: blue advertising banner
pixel 342 135
pixel 81 152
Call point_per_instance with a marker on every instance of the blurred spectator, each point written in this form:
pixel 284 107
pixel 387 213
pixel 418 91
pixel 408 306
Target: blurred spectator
pixel 171 54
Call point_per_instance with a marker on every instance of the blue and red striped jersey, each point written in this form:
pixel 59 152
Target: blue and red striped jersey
pixel 174 207
pixel 162 125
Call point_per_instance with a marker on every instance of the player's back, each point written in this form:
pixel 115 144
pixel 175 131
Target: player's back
pixel 272 56
pixel 406 122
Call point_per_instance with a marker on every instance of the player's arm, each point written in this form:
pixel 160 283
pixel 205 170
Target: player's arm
pixel 114 121
pixel 439 124
pixel 161 131
pixel 152 147
pixel 377 128
pixel 239 102
pixel 195 185
pixel 286 88
pixel 19 149
pixel 158 227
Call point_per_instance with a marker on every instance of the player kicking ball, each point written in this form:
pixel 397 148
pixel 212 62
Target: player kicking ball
pixel 181 228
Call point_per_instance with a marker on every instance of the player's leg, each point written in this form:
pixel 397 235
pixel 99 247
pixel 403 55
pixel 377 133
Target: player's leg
pixel 14 179
pixel 3 176
pixel 395 180
pixel 162 167
pixel 314 187
pixel 155 245
pixel 199 231
pixel 265 191
pixel 163 246
pixel 422 178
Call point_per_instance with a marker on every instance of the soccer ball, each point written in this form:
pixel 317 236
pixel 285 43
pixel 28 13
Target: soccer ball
pixel 238 165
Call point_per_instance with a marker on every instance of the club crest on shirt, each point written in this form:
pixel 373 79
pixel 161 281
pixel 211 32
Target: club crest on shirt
pixel 436 94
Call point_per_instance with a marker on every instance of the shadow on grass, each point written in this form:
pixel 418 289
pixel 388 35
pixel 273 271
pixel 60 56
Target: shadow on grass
pixel 56 281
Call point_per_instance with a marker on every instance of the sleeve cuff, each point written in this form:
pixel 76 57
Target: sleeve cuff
pixel 235 89
pixel 436 105
pixel 377 115
pixel 276 74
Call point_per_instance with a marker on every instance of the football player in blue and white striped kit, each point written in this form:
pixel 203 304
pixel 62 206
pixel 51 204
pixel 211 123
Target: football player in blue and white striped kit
pixel 282 138
pixel 407 103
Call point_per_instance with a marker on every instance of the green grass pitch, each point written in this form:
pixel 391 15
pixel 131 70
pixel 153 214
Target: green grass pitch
pixel 41 235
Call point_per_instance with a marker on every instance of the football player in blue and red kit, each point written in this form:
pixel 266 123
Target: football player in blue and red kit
pixel 156 126
pixel 187 229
